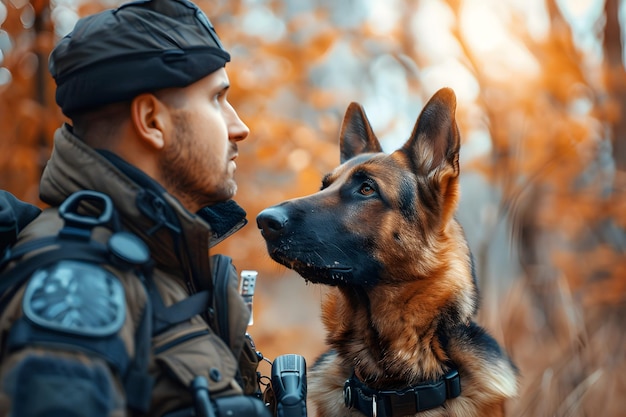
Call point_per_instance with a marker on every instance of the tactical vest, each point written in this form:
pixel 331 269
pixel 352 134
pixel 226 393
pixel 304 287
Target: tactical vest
pixel 36 261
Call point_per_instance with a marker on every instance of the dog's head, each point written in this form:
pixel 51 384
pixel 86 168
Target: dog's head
pixel 378 217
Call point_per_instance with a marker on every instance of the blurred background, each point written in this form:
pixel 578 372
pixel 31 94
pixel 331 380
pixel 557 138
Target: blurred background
pixel 541 91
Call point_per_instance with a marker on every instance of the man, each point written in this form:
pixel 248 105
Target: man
pixel 146 89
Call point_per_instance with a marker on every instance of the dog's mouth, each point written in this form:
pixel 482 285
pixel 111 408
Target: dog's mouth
pixel 333 274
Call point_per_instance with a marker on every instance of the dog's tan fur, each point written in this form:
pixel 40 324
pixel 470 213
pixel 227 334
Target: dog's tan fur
pixel 405 322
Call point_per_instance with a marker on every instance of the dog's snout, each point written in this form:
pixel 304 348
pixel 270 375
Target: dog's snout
pixel 272 222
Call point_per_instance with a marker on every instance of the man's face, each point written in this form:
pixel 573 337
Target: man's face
pixel 198 162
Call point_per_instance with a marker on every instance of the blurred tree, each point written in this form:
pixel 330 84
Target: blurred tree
pixel 615 80
pixel 25 40
pixel 557 158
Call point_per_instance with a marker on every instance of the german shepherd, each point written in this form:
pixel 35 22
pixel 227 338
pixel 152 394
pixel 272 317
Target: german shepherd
pixel 382 232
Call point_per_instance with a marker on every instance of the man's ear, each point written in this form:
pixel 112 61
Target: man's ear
pixel 149 118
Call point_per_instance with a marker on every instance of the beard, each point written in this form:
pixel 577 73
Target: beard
pixel 191 172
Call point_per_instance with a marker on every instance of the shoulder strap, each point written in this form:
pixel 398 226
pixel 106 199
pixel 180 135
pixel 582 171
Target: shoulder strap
pixel 213 305
pixel 14 216
pixel 138 382
pixel 222 268
pixel 72 242
pixel 198 303
pixel 165 317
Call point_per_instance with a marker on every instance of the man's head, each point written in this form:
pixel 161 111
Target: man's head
pixel 147 81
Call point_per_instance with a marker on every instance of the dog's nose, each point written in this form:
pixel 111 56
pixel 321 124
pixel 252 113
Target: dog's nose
pixel 272 222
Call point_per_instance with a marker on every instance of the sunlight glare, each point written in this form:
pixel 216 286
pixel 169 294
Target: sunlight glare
pixel 487 36
pixel 3 13
pixel 384 15
pixel 584 17
pixel 430 27
pixel 577 9
pixel 451 73
pixel 482 27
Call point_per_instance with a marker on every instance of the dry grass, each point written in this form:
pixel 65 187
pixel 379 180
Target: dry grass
pixel 572 358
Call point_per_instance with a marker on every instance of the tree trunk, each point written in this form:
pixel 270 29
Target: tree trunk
pixel 615 78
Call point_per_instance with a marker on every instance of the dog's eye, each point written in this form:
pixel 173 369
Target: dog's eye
pixel 367 189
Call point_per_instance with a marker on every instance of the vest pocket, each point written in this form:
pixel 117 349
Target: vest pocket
pixel 169 344
pixel 196 351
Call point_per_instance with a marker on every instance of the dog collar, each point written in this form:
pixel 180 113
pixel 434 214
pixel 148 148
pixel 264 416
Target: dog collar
pixel 396 403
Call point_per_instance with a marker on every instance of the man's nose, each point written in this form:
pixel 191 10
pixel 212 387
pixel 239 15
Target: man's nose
pixel 237 129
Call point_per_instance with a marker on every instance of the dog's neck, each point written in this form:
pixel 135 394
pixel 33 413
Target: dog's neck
pixel 392 336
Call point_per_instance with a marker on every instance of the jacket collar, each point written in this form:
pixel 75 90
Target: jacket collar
pixel 173 234
pixel 224 218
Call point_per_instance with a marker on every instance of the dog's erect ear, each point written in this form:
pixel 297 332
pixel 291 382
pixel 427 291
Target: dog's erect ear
pixel 356 135
pixel 434 148
pixel 435 141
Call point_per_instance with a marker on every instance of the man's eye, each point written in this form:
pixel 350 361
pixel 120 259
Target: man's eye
pixel 219 96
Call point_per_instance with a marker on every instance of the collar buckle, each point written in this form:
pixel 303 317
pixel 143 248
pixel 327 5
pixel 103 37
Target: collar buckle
pixel 348 394
pixel 374 406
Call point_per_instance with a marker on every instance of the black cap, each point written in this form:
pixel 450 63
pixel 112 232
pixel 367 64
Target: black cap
pixel 139 47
